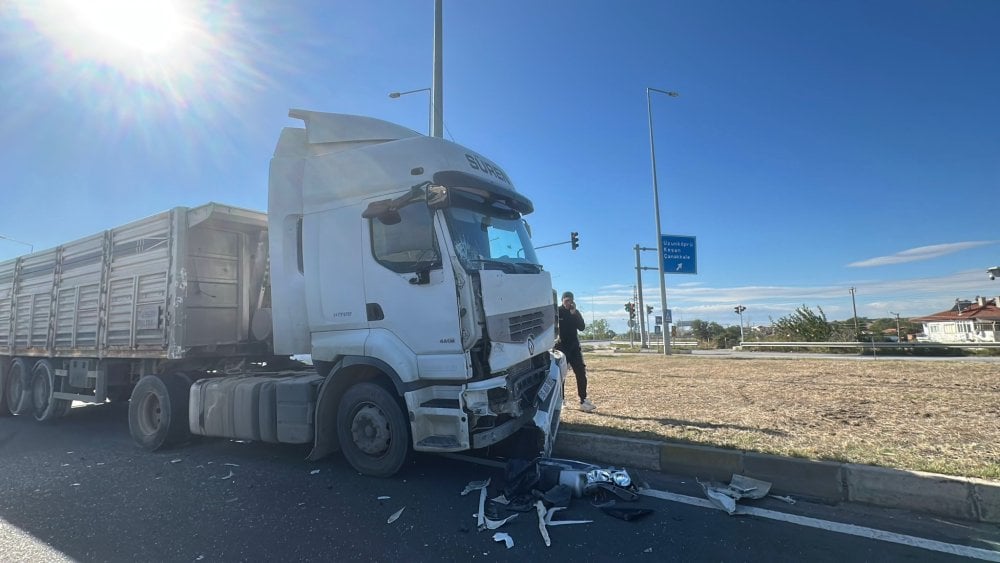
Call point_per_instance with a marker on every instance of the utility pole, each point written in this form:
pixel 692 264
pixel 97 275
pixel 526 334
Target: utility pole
pixel 643 340
pixel 857 332
pixel 899 337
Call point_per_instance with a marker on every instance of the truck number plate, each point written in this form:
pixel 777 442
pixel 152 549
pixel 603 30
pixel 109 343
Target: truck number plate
pixel 543 393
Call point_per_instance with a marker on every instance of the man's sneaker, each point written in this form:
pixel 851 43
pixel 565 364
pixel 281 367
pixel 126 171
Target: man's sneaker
pixel 587 406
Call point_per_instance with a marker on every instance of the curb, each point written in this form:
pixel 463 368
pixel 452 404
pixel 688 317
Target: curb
pixel 826 481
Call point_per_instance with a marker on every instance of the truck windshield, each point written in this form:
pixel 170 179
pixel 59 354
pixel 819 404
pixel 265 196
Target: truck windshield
pixel 489 238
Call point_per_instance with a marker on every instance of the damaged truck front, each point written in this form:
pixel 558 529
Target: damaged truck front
pixel 403 265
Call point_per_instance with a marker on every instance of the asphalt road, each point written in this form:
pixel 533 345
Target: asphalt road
pixel 80 490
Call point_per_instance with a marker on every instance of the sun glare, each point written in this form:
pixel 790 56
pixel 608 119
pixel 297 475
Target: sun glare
pixel 151 26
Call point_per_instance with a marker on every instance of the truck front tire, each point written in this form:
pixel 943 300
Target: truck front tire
pixel 158 411
pixel 373 430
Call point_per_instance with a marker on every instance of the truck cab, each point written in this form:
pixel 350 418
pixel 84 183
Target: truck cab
pixel 402 264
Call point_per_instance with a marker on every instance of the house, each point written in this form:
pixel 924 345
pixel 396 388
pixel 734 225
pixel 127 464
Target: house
pixel 967 321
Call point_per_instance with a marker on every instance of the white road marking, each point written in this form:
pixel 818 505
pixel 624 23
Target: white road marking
pixel 851 529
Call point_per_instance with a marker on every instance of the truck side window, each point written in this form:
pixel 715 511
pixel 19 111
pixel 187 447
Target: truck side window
pixel 409 245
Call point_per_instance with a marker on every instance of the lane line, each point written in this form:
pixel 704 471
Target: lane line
pixel 850 529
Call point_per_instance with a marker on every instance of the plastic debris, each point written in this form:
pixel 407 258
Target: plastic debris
pixel 475 486
pixel 545 520
pixel 230 476
pixel 626 514
pixel 178 460
pixel 501 500
pixel 504 537
pixel 395 516
pixel 383 498
pixel 232 464
pixel 789 500
pixel 648 550
pixel 314 472
pixel 739 487
pixel 494 524
pixel 481 516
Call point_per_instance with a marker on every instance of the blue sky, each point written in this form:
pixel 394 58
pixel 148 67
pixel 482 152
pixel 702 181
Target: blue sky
pixel 816 146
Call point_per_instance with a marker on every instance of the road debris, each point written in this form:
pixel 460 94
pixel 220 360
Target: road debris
pixel 739 487
pixel 475 486
pixel 395 516
pixel 178 460
pixel 504 537
pixel 383 498
pixel 314 472
pixel 789 500
pixel 232 464
pixel 626 514
pixel 230 476
pixel 545 520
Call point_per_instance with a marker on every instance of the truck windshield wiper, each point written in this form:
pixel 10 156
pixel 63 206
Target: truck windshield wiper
pixel 507 267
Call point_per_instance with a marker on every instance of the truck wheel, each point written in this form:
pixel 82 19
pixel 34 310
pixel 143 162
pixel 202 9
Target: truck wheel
pixel 4 373
pixel 18 386
pixel 157 411
pixel 43 385
pixel 374 434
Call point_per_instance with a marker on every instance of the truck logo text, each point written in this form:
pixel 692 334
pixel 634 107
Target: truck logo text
pixel 486 167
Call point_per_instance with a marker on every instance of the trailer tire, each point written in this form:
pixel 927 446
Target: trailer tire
pixel 157 411
pixel 4 372
pixel 373 430
pixel 18 387
pixel 43 385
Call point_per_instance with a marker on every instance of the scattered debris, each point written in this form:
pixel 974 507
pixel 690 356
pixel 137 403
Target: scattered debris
pixel 626 514
pixel 545 520
pixel 64 465
pixel 383 498
pixel 789 500
pixel 494 524
pixel 199 558
pixel 481 516
pixel 395 516
pixel 314 472
pixel 501 500
pixel 739 487
pixel 178 460
pixel 230 476
pixel 75 485
pixel 475 486
pixel 648 550
pixel 504 537
pixel 234 499
pixel 232 464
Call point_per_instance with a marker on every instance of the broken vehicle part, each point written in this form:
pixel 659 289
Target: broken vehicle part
pixel 475 486
pixel 626 514
pixel 395 516
pixel 504 537
pixel 545 520
pixel 739 487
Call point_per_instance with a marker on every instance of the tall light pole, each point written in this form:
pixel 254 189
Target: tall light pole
pixel 899 337
pixel 656 207
pixel 739 311
pixel 31 247
pixel 437 92
pixel 430 108
pixel 854 305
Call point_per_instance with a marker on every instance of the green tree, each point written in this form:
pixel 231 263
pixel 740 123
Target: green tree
pixel 598 330
pixel 803 326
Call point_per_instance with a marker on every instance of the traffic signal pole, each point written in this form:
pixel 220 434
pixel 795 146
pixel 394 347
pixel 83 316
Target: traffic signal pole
pixel 643 337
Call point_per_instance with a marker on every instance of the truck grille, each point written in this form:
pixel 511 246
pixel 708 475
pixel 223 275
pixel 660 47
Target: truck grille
pixel 523 326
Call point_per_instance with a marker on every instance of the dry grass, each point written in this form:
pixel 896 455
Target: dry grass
pixel 942 417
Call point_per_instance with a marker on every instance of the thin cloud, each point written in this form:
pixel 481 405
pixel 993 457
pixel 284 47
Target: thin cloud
pixel 920 253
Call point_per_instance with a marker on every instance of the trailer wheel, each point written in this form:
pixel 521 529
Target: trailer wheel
pixel 18 386
pixel 4 373
pixel 374 434
pixel 43 385
pixel 157 411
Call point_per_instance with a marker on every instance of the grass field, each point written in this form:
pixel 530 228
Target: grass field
pixel 942 417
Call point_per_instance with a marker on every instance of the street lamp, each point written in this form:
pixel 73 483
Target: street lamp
pixel 656 206
pixel 430 108
pixel 31 247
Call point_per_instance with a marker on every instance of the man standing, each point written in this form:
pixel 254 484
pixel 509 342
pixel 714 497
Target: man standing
pixel 571 321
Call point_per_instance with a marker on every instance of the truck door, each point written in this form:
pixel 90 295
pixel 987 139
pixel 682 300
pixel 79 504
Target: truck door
pixel 411 295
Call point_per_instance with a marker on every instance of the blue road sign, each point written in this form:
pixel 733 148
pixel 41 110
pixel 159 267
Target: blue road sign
pixel 680 254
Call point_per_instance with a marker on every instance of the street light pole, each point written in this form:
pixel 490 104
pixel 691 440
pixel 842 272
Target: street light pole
pixel 430 108
pixel 437 92
pixel 31 247
pixel 656 206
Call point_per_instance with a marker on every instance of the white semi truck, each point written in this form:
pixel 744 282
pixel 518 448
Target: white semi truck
pixel 400 263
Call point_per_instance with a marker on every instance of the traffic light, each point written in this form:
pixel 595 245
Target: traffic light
pixel 739 309
pixel 649 309
pixel 630 307
pixel 574 239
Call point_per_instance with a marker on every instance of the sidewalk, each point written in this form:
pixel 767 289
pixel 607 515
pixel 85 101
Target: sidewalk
pixel 953 497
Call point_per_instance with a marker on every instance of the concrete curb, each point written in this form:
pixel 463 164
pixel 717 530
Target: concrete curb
pixel 942 495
